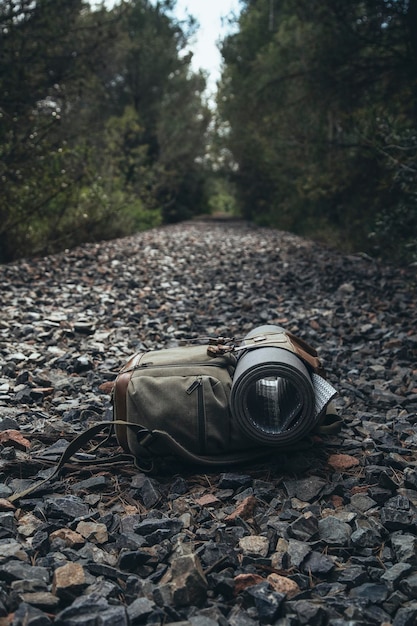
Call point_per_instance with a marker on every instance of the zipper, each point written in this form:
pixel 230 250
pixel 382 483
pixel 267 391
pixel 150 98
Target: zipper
pixel 187 364
pixel 201 411
pixel 139 365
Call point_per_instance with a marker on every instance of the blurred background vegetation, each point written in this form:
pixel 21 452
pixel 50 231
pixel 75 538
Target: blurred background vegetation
pixel 105 129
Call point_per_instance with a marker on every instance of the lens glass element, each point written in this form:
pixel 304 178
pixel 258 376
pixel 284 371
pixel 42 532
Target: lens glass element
pixel 273 404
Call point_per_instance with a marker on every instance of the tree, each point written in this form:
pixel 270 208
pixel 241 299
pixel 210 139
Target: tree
pixel 307 90
pixel 92 104
pixel 42 64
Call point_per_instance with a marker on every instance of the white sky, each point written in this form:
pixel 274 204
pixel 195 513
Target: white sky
pixel 209 14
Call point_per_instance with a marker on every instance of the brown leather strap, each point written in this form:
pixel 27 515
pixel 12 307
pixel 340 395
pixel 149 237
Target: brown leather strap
pixel 120 398
pixel 287 341
pixel 306 352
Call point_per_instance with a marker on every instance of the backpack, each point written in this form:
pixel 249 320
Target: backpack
pixel 218 404
pixel 215 404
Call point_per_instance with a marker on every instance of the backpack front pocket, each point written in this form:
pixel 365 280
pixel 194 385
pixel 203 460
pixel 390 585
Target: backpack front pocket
pixel 193 409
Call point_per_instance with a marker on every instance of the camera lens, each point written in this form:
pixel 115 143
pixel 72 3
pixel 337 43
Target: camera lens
pixel 273 404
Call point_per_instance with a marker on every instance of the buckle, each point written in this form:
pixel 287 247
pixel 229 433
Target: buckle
pixel 220 346
pixel 144 437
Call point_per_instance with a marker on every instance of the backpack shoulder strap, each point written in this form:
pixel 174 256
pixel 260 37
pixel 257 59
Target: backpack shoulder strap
pixel 73 447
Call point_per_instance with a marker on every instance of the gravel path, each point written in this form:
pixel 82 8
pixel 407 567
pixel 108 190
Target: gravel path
pixel 323 536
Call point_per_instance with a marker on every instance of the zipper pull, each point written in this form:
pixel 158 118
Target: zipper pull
pixel 196 383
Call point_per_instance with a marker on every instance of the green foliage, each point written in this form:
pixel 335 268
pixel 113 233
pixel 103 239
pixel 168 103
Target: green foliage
pixel 222 196
pixel 395 223
pixel 102 123
pixel 104 128
pixel 304 91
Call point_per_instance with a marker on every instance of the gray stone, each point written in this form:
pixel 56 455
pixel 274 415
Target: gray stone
pixel 90 484
pixel 309 613
pixel 104 589
pixel 27 615
pixel 394 520
pixel 406 615
pixel 239 617
pixel 305 489
pixel 334 531
pixel 148 491
pixel 8 423
pixel 150 494
pixel 362 502
pixel 91 610
pixel 393 576
pixel 40 599
pixel 7 522
pixel 10 548
pixel 304 528
pixel 352 576
pixel 129 523
pixel 297 551
pixel 234 481
pixel 28 586
pixel 371 593
pixel 66 507
pixel 189 584
pixel 162 594
pixel 203 620
pixel 394 601
pixel 164 528
pixel 139 610
pixel 409 586
pixel 318 564
pixel 267 602
pixel 367 534
pixel 5 491
pixel 17 570
pixel 405 548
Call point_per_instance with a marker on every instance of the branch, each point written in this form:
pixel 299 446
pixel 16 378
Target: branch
pixel 391 158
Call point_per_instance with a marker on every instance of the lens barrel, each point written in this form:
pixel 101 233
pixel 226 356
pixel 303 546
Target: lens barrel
pixel 272 395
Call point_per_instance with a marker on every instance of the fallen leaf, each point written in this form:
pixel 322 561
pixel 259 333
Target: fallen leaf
pixel 14 439
pixel 342 461
pixel 337 501
pixel 130 509
pixel 207 499
pixel 244 510
pixel 359 489
pixel 243 581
